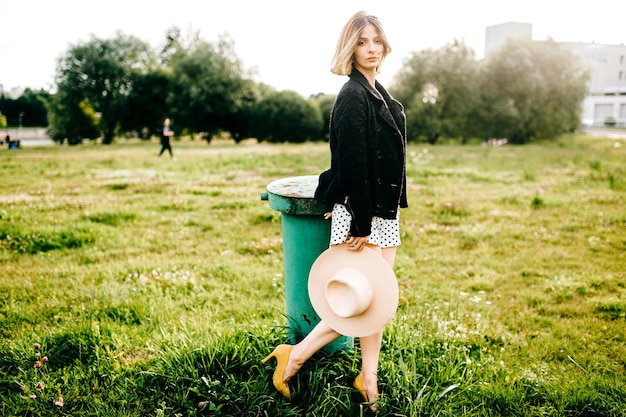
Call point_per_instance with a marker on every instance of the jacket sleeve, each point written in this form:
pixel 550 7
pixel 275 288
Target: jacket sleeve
pixel 350 124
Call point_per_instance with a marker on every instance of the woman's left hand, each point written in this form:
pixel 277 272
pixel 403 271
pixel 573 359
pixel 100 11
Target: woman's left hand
pixel 356 243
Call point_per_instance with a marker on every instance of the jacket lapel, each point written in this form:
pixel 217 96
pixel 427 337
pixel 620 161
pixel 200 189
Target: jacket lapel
pixel 383 109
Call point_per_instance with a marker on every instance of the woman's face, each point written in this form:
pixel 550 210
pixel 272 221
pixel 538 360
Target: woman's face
pixel 369 50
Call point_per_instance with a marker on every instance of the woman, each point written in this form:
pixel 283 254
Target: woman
pixel 365 185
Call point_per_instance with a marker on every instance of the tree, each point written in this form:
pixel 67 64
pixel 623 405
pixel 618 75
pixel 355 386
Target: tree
pixel 239 122
pixel 208 91
pixel 71 119
pixel 145 108
pixel 3 117
pixel 413 87
pixel 527 90
pixel 439 91
pixel 286 116
pixel 100 73
pixel 29 109
pixel 32 105
pixel 532 90
pixel 325 103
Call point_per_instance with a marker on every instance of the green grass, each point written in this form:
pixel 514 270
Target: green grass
pixel 154 287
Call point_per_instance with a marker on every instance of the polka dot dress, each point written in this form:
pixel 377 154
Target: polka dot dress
pixel 385 232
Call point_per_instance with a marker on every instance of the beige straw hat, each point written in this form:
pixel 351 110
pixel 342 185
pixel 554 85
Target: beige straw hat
pixel 354 292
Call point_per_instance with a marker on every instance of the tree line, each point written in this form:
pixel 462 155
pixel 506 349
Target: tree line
pixel 28 110
pixel 121 87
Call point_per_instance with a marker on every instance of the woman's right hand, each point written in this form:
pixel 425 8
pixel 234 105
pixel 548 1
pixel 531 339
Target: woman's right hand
pixel 356 243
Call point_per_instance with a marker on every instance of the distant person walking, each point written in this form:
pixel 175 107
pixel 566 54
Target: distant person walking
pixel 166 134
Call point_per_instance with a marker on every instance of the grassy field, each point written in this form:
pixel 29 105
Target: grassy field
pixel 133 285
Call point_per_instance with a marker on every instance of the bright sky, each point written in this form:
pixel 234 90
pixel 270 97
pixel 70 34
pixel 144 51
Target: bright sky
pixel 289 42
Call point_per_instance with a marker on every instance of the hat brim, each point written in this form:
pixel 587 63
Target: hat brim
pixel 382 280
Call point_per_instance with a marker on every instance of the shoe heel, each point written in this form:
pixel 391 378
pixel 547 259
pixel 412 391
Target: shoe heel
pixel 268 357
pixel 281 353
pixel 358 385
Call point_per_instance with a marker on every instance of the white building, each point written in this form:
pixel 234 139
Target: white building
pixel 605 104
pixel 496 35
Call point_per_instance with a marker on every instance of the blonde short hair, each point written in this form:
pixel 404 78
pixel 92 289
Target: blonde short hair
pixel 346 45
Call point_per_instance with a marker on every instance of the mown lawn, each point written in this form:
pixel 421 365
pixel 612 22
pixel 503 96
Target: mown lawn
pixel 153 287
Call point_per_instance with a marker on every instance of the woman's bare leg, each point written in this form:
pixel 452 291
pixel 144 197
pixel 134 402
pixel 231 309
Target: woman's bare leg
pixel 370 347
pixel 370 352
pixel 320 336
pixel 390 255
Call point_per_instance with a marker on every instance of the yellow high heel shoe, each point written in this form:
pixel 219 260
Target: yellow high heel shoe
pixel 358 385
pixel 281 353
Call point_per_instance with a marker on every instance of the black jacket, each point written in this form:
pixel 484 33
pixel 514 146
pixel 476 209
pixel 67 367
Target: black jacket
pixel 368 154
